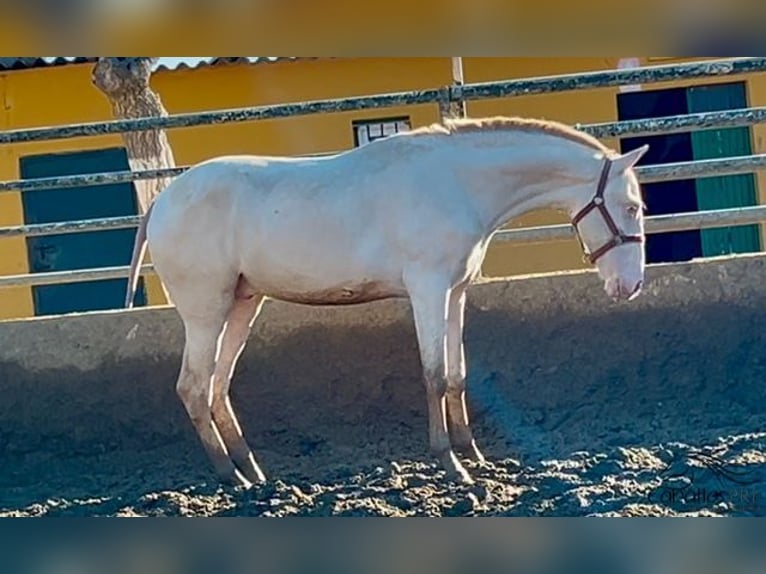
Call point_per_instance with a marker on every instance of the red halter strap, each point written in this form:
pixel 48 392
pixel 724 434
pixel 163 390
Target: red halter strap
pixel 597 203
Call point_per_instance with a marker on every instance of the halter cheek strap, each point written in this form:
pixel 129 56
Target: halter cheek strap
pixel 597 203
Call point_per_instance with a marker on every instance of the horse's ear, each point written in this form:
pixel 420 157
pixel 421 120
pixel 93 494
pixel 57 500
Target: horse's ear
pixel 627 160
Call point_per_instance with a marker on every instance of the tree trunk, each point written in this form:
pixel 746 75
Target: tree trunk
pixel 125 82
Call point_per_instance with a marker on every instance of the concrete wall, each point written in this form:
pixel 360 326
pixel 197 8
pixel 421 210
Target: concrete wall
pixel 552 342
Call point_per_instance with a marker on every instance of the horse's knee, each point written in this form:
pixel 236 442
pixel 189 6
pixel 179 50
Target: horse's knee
pixel 456 381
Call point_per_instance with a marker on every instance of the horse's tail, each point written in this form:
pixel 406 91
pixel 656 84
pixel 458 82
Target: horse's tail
pixel 139 250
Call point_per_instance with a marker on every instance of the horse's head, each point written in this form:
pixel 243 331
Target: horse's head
pixel 610 226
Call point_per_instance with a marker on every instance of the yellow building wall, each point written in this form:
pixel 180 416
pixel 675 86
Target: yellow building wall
pixel 14 301
pixel 756 94
pixel 244 85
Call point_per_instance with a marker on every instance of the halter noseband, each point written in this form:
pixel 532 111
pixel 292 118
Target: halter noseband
pixel 618 237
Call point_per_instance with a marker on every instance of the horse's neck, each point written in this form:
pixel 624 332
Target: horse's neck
pixel 526 173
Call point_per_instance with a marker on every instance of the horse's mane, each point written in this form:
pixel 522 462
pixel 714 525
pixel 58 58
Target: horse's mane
pixel 500 123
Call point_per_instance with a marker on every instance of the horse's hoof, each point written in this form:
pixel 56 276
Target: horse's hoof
pixel 235 479
pixel 472 453
pixel 251 471
pixel 466 479
pixel 455 470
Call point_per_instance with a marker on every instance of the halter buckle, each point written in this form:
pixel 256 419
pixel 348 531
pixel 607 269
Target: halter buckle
pixel 618 237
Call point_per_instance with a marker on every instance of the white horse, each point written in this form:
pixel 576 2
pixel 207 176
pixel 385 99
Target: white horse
pixel 407 216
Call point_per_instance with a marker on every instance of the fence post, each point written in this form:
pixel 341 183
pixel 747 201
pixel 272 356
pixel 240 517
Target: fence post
pixel 448 106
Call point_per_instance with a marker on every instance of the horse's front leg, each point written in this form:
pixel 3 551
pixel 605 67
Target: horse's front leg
pixel 429 296
pixel 460 433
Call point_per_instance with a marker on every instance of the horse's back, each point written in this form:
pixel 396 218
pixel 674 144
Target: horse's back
pixel 340 229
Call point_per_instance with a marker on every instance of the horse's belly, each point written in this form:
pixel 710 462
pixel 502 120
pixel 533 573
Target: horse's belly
pixel 318 293
pixel 333 275
pixel 351 295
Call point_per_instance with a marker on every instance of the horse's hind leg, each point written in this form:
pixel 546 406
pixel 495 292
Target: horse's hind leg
pixel 202 333
pixel 238 324
pixel 460 433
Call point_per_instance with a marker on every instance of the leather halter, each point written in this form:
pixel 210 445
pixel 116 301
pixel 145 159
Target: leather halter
pixel 597 203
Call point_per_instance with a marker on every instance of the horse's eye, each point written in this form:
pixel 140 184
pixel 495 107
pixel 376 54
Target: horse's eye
pixel 633 210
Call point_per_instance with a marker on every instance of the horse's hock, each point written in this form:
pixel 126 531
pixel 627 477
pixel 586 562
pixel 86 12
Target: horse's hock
pixel 553 364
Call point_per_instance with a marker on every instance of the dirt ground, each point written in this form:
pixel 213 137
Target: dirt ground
pixel 619 481
pixel 643 411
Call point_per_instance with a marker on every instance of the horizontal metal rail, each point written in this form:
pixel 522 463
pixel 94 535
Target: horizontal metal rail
pixel 743 117
pixel 89 179
pixel 609 78
pixel 717 167
pixel 652 126
pixel 647 174
pixel 468 92
pixel 83 225
pixel 655 224
pixel 74 276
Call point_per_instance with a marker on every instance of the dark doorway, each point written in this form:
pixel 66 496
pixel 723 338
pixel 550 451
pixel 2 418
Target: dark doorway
pixel 667 196
pixel 689 195
pixel 81 250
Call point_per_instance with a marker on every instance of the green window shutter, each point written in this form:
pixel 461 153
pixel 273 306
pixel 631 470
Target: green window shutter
pixel 725 191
